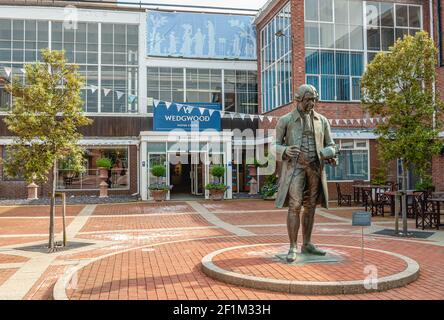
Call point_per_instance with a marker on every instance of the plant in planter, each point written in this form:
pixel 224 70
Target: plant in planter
pixel 217 189
pixel 159 189
pixel 103 164
pixel 425 184
pixel 270 188
pixel 69 170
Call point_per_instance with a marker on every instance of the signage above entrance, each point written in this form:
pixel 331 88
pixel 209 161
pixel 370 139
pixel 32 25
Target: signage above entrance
pixel 191 116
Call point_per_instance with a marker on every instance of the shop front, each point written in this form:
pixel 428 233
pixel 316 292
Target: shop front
pixel 188 158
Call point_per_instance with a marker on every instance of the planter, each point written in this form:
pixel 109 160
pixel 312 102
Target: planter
pixel 217 194
pixel 159 195
pixel 103 173
pixel 269 198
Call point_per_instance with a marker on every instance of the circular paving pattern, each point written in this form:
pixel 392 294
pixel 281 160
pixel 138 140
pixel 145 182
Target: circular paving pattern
pixel 257 266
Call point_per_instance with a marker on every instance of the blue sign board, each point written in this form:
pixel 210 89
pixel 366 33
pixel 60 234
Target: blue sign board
pixel 363 219
pixel 201 35
pixel 190 116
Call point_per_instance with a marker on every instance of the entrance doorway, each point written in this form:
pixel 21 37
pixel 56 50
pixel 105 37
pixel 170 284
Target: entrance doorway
pixel 186 173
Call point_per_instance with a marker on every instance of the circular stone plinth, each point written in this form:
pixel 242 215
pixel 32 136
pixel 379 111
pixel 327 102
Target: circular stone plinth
pixel 257 266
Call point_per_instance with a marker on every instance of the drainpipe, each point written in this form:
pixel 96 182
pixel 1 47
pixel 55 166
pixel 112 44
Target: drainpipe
pixel 440 34
pixel 138 168
pixel 432 36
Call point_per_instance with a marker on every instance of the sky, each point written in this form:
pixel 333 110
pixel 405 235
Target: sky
pixel 244 4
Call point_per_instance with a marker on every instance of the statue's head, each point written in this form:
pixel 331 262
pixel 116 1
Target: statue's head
pixel 307 97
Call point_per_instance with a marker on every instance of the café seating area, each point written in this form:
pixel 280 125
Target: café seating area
pixel 380 200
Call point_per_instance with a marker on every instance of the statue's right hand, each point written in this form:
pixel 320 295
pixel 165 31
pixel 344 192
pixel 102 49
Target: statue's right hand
pixel 292 151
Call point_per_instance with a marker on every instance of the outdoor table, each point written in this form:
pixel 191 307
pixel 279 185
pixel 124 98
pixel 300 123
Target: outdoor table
pixel 437 201
pixel 393 194
pixel 374 187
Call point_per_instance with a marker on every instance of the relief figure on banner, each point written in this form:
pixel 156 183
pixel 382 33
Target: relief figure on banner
pixel 186 45
pixel 211 39
pixel 173 43
pixel 199 39
pixel 304 144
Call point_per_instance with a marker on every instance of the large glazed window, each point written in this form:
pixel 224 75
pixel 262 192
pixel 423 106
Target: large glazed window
pixel 341 36
pixel 114 59
pixel 353 161
pixel 89 179
pixel 235 89
pixel 276 51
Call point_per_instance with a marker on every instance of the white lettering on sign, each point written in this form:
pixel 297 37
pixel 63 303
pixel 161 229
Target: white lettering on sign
pixel 187 118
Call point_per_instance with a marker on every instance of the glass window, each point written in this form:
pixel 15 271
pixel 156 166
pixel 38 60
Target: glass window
pixel 387 38
pixel 89 178
pixel 355 7
pixel 311 10
pixel 276 71
pixel 341 11
pixel 414 17
pixel 402 15
pixel 356 38
pixel 387 19
pixel 373 39
pixel 312 34
pixel 326 10
pixel 342 36
pixel 326 35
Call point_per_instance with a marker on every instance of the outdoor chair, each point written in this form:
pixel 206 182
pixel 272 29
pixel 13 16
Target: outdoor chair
pixel 343 199
pixel 375 202
pixel 427 215
pixel 357 191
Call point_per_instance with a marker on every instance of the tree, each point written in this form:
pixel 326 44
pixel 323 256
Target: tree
pixel 399 86
pixel 45 117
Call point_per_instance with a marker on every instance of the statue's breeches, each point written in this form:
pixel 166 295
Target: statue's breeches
pixel 304 190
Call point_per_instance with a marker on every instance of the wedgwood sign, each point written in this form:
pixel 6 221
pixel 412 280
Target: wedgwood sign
pixel 192 116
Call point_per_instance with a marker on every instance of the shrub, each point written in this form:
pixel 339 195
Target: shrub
pixel 158 171
pixel 216 186
pixel 218 171
pixel 103 163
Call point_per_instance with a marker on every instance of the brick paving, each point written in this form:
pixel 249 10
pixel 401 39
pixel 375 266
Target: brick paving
pixel 153 251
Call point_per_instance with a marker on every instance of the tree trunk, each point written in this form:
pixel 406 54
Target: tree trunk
pixel 404 198
pixel 51 244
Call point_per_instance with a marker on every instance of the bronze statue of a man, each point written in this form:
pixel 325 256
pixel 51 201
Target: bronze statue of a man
pixel 303 144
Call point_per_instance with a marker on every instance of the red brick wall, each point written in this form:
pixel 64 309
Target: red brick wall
pixel 438 172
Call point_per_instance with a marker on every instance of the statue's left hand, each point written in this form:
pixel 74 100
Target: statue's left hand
pixel 332 161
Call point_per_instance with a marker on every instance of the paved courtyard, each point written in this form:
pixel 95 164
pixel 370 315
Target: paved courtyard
pixel 154 251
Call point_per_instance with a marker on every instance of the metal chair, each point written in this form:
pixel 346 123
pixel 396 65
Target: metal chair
pixel 357 191
pixel 343 199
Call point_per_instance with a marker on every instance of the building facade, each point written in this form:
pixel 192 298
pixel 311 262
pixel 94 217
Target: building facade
pixel 327 43
pixel 191 90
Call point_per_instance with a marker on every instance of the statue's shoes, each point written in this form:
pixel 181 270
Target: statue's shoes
pixel 310 248
pixel 291 256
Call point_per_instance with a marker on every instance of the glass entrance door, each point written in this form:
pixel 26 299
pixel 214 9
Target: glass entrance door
pixel 197 174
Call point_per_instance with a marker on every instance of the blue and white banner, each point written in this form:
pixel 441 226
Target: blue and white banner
pixel 195 116
pixel 201 35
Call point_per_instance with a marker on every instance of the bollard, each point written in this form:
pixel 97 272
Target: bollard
pixel 32 191
pixel 103 189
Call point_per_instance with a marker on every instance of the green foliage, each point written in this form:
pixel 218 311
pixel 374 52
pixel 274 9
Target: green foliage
pixel 398 86
pixel 425 184
pixel 103 163
pixel 380 176
pixel 270 186
pixel 158 171
pixel 159 186
pixel 218 171
pixel 68 165
pixel 45 117
pixel 217 186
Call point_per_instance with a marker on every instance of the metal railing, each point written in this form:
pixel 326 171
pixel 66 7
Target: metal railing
pixel 90 179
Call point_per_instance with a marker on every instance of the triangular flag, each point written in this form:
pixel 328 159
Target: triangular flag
pixel 119 94
pixel 252 117
pixel 156 103
pixel 222 113
pixel 330 121
pixel 201 110
pixel 8 71
pixel 358 121
pixel 242 115
pixel 365 121
pixel 270 119
pixel 232 115
pixel 261 118
pixel 211 111
pixel 371 120
pixel 131 98
pixel 106 91
pixel 351 121
pixel 337 121
pixel 179 106
pixel 345 121
pixel 168 104
pixel 93 88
